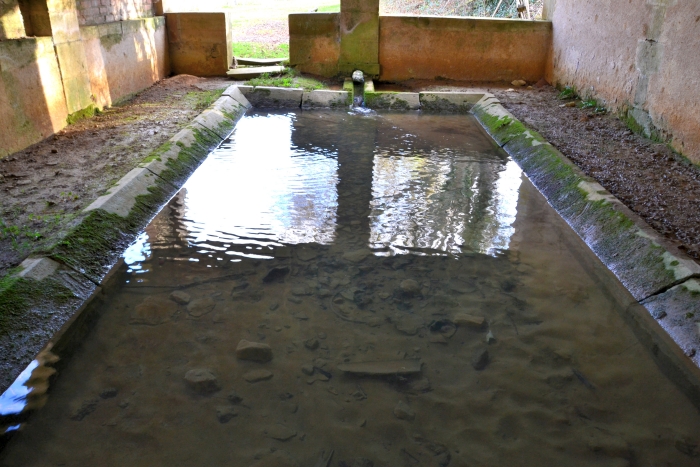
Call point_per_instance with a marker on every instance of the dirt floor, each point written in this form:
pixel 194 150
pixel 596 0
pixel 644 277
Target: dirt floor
pixel 43 187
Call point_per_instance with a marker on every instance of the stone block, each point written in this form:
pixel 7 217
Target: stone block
pixel 392 100
pixel 314 42
pixel 234 92
pixel 11 23
pixel 38 268
pixel 74 72
pixel 459 102
pixel 325 99
pixel 120 199
pixel 268 97
pixel 678 311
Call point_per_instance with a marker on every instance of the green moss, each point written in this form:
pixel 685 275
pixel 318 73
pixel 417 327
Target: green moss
pixel 88 112
pixel 155 155
pixel 290 78
pixel 110 40
pixel 18 295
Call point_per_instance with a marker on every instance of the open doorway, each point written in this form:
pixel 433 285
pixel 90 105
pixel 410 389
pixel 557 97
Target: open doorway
pixel 260 27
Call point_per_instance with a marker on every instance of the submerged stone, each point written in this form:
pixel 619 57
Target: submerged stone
pixel 280 433
pixel 255 376
pixel 153 311
pixel 225 413
pixel 183 298
pixel 202 381
pixel 382 368
pixel 200 307
pixel 403 412
pixel 253 351
pixel 481 359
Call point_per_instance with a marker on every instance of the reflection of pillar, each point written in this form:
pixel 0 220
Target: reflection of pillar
pixel 356 143
pixel 359 36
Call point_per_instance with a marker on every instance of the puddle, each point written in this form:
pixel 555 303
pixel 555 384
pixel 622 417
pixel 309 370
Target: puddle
pixel 406 297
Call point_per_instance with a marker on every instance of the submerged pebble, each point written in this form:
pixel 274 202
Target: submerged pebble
pixel 481 359
pixel 253 351
pixel 255 376
pixel 403 412
pixel 202 381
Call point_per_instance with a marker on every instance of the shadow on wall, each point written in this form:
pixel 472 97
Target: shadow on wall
pixel 125 57
pixel 32 103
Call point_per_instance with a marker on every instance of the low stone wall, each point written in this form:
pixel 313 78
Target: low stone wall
pixel 32 103
pixel 638 57
pixel 200 43
pixel 470 49
pixel 125 57
pixel 314 42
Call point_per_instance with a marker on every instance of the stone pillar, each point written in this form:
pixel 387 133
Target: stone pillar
pixel 65 29
pixel 359 37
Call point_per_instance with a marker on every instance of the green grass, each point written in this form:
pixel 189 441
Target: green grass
pixel 569 92
pixel 257 50
pixel 289 79
pixel 329 9
pixel 203 99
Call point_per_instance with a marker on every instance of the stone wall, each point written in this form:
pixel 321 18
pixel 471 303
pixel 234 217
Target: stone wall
pixel 32 103
pixel 91 12
pixel 200 43
pixel 470 49
pixel 639 57
pixel 314 42
pixel 45 79
pixel 125 57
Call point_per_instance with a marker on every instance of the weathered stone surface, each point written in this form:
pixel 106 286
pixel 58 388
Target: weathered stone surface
pixel 120 199
pixel 234 92
pixel 382 368
pixel 469 321
pixel 202 381
pixel 319 99
pixel 403 412
pixel 675 310
pixel 253 351
pixel 459 102
pixel 153 311
pixel 38 268
pixel 269 97
pixel 280 432
pixel 255 376
pixel 183 298
pixel 392 100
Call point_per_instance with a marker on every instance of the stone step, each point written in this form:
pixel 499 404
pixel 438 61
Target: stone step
pixel 260 61
pixel 253 72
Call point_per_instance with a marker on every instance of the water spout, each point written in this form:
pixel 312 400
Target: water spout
pixel 358 84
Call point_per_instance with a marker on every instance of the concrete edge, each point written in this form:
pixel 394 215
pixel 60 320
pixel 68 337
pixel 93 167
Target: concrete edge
pixel 661 279
pixel 326 99
pixel 159 176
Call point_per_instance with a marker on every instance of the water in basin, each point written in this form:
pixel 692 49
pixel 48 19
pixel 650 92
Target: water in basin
pixel 422 304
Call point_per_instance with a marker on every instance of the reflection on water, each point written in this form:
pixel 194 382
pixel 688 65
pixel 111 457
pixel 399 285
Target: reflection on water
pixel 277 181
pixel 422 304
